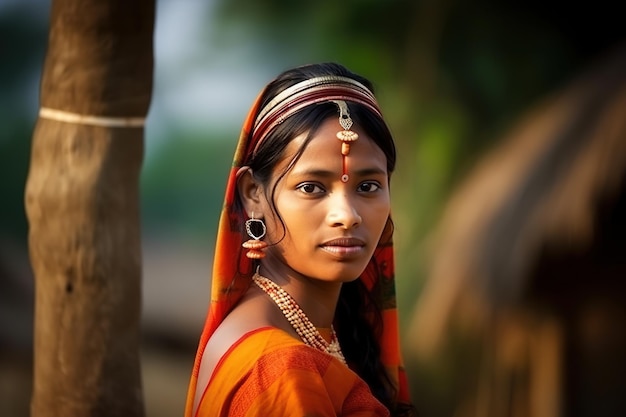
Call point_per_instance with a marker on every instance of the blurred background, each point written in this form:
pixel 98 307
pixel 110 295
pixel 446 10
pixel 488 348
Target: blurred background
pixel 508 195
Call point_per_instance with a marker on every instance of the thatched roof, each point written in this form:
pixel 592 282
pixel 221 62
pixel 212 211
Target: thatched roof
pixel 543 187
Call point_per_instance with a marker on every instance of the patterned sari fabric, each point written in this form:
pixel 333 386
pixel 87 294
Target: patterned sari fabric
pixel 232 275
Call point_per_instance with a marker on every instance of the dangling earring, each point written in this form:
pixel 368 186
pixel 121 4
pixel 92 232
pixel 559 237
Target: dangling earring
pixel 255 245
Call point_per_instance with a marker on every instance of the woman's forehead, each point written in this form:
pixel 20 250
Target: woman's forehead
pixel 323 152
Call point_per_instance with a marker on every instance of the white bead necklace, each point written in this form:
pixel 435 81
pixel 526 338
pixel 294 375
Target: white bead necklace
pixel 298 320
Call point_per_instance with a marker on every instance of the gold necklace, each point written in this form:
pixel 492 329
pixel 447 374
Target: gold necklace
pixel 298 320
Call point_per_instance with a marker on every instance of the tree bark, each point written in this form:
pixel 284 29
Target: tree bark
pixel 82 206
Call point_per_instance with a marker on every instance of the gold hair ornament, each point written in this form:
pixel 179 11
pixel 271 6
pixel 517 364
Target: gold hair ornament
pixel 346 136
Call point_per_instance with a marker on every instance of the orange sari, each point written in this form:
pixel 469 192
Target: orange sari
pixel 269 373
pixel 232 275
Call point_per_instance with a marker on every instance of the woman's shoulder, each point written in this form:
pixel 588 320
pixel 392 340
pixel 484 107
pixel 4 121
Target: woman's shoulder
pixel 261 341
pixel 276 346
pixel 271 350
pixel 271 345
pixel 250 326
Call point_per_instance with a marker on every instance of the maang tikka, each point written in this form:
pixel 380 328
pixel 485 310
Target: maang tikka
pixel 346 136
pixel 255 228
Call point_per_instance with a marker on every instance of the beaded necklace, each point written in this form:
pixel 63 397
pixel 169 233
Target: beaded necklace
pixel 298 320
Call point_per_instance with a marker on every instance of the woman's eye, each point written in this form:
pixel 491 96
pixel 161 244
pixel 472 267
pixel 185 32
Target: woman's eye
pixel 368 187
pixel 309 188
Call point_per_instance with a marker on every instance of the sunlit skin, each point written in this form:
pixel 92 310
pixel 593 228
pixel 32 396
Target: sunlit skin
pixel 330 231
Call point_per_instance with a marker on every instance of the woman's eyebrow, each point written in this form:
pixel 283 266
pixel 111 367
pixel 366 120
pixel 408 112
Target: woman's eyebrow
pixel 313 172
pixel 366 172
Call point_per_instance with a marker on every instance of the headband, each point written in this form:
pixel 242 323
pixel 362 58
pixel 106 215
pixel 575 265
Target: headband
pixel 311 91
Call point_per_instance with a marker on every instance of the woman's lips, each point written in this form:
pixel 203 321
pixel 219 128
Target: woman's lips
pixel 343 246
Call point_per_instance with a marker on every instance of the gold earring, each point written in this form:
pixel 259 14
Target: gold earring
pixel 255 228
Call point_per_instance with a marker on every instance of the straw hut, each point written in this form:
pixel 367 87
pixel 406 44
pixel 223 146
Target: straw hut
pixel 529 260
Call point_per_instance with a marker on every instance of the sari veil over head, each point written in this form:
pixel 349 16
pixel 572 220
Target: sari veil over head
pixel 233 271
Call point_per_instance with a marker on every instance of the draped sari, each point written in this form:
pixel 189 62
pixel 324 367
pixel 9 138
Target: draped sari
pixel 269 373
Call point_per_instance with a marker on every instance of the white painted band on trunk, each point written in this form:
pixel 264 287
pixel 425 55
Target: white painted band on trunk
pixel 67 117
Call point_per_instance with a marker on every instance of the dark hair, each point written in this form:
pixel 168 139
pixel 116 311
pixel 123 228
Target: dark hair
pixel 356 307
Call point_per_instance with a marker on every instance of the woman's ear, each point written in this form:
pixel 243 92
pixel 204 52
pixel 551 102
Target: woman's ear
pixel 250 191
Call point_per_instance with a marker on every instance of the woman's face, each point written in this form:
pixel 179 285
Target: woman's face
pixel 332 227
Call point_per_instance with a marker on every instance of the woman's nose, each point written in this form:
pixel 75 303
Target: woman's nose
pixel 342 212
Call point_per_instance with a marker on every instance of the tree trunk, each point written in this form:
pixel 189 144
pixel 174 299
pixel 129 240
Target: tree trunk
pixel 83 211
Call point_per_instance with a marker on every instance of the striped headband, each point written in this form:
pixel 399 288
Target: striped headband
pixel 305 93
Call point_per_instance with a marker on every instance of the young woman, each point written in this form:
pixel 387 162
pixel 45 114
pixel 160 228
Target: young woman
pixel 302 320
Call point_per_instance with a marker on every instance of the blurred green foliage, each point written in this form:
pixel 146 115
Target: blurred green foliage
pixel 22 43
pixel 14 154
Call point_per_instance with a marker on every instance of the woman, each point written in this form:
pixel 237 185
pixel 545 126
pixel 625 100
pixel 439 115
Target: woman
pixel 302 318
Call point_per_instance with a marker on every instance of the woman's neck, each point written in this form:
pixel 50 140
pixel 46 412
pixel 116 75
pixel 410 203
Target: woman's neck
pixel 317 298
